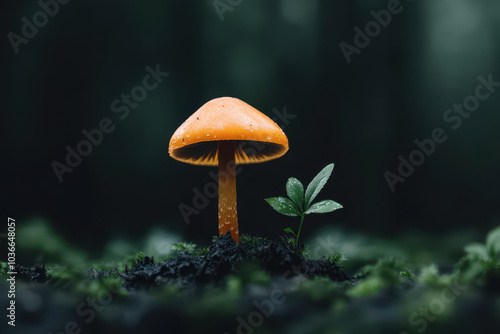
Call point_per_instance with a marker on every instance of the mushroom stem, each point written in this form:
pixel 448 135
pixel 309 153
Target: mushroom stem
pixel 228 216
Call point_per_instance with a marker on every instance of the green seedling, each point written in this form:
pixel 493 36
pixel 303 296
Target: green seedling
pixel 299 204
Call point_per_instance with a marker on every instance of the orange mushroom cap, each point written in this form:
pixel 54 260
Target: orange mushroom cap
pixel 258 137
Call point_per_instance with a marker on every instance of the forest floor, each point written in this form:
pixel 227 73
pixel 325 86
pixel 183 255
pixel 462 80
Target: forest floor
pixel 261 286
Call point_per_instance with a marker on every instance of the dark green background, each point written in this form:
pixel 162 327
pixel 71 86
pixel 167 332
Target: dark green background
pixel 271 54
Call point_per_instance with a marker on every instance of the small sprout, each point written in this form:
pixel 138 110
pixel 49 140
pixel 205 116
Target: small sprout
pixel 289 240
pixel 299 204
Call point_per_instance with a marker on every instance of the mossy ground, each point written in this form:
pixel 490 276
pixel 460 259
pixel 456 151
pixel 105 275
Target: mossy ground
pixel 226 288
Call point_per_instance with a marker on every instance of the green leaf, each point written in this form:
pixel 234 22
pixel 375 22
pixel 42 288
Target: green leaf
pixel 284 206
pixel 317 184
pixel 288 230
pixel 295 191
pixel 324 206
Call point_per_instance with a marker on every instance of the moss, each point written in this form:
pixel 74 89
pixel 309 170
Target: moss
pixel 252 273
pixel 218 301
pixel 38 236
pixel 337 257
pixel 319 288
pixel 383 274
pixel 190 248
pixel 3 268
pixel 252 241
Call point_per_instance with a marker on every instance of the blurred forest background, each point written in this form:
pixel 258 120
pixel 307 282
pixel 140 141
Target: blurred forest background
pixel 273 55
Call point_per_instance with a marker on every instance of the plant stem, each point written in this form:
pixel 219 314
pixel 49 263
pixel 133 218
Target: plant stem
pixel 298 233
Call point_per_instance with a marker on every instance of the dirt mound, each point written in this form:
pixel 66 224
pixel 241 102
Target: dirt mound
pixel 222 259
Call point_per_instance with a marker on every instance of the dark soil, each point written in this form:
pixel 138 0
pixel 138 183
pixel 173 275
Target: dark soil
pixel 36 275
pixel 223 258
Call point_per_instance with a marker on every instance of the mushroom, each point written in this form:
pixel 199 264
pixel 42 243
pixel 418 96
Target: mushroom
pixel 226 132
